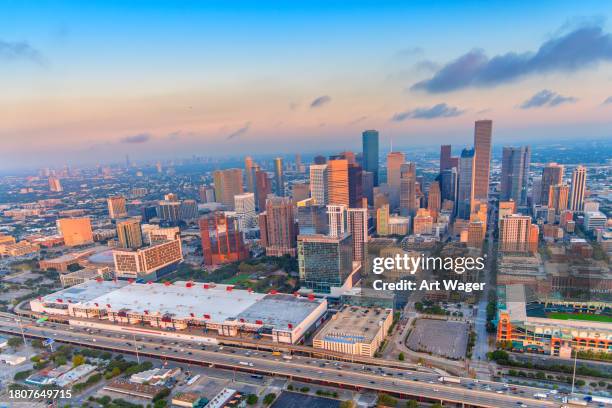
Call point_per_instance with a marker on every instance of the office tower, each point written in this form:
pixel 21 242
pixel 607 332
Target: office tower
pixel 188 210
pixel 475 234
pixel 446 160
pixel 434 199
pixel 382 220
pixel 263 187
pixel 148 212
pixel 482 159
pixel 594 220
pixel 506 208
pixel 154 233
pixel 515 174
pixel 311 217
pixel 319 160
pixel 348 156
pixel 369 142
pixel 207 194
pixel 279 177
pixel 55 184
pixel 228 183
pixel 336 220
pixel 75 231
pixel 244 205
pixel 221 239
pixel 355 185
pixel 248 172
pixel 578 189
pixel 465 190
pixel 357 226
pixel 552 175
pixel 116 207
pixel 422 222
pixel 408 189
pixel 337 181
pixel 300 191
pixel 318 183
pixel 367 184
pixel 558 197
pixel 169 211
pixel 278 227
pixel 517 234
pixel 399 225
pixel 394 164
pixel 298 163
pixel 149 263
pixel 448 184
pixel 324 262
pixel 129 233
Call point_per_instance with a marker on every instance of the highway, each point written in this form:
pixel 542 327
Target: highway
pixel 348 375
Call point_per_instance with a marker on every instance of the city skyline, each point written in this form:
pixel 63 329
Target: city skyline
pixel 214 80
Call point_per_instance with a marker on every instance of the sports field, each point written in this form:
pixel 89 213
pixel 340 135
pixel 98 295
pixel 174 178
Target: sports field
pixel 582 316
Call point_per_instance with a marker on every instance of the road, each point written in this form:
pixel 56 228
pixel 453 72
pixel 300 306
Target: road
pixel 343 374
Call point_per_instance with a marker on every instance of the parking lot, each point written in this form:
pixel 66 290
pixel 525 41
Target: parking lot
pixel 443 338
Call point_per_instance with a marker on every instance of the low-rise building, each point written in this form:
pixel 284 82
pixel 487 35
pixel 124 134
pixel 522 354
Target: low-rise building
pixel 355 330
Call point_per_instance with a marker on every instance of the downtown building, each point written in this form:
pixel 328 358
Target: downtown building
pixel 228 183
pixel 148 263
pixel 116 207
pixel 278 228
pixel 222 240
pixel 515 174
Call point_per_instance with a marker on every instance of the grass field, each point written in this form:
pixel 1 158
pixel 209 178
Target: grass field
pixel 583 316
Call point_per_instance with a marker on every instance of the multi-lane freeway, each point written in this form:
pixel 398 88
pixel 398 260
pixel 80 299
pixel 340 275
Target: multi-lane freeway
pixel 409 383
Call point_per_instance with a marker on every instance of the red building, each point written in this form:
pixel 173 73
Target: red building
pixel 221 239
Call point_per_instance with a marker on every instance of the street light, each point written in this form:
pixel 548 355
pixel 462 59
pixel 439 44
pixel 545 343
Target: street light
pixel 136 347
pixel 22 332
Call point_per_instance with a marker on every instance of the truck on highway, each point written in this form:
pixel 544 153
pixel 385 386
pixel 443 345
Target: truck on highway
pixel 244 363
pixel 287 357
pixel 445 379
pixel 539 395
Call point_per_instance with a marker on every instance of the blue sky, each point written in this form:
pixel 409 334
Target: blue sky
pixel 81 79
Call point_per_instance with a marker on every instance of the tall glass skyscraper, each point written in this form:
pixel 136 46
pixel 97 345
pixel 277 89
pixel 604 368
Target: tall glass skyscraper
pixel 515 174
pixel 279 178
pixel 324 261
pixel 370 153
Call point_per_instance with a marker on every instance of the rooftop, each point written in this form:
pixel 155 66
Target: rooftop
pixel 221 302
pixel 280 310
pixel 354 324
pixel 84 292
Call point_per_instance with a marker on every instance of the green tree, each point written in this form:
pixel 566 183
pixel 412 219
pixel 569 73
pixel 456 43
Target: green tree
pixel 347 404
pixel 252 399
pixel 401 356
pixel 269 398
pixel 15 342
pixel 412 404
pixel 386 400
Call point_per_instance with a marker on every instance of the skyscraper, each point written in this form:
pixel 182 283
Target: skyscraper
pixel 355 185
pixel 552 175
pixel 318 183
pixel 394 164
pixel 278 227
pixel 221 239
pixel 382 220
pixel 367 183
pixel 324 261
pixel 228 183
pixel 558 198
pixel 129 233
pixel 248 172
pixel 357 226
pixel 312 218
pixel 465 191
pixel 408 189
pixel 448 184
pixel 279 177
pixel 578 189
pixel 482 159
pixel 422 222
pixel 263 187
pixel 169 211
pixel 337 181
pixel 116 207
pixel 336 220
pixel 434 199
pixel 188 210
pixel 369 141
pixel 446 160
pixel 300 191
pixel 515 174
pixel 244 205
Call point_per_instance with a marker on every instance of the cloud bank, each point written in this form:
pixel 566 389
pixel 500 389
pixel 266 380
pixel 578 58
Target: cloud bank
pixel 578 49
pixel 441 110
pixel 546 98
